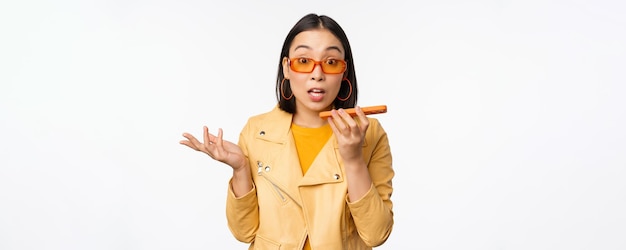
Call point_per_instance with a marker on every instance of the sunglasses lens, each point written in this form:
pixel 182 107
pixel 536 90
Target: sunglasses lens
pixel 333 66
pixel 302 65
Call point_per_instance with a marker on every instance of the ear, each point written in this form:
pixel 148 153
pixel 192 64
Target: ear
pixel 285 67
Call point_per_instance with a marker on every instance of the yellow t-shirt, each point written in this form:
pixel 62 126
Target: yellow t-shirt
pixel 309 142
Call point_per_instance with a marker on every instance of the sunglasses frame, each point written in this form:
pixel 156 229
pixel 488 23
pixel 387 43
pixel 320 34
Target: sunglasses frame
pixel 320 63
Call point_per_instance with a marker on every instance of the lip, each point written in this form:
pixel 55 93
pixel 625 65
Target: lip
pixel 316 94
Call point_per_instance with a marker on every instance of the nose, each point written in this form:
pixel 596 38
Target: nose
pixel 317 74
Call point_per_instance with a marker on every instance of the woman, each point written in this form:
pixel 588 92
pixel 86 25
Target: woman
pixel 300 181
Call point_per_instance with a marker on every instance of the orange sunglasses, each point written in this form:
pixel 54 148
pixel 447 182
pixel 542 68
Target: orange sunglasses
pixel 306 65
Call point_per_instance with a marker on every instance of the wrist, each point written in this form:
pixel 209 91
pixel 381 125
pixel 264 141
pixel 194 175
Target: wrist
pixel 355 165
pixel 242 171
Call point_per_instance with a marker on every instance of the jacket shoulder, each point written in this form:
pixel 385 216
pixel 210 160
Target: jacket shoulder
pixel 375 127
pixel 273 114
pixel 271 125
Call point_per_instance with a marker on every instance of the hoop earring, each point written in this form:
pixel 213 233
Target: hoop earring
pixel 282 90
pixel 349 93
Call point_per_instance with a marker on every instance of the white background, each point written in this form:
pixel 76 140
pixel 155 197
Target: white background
pixel 506 118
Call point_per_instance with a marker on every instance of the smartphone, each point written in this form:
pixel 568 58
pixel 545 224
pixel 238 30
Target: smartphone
pixel 370 110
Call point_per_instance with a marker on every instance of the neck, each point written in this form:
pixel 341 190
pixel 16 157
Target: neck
pixel 308 119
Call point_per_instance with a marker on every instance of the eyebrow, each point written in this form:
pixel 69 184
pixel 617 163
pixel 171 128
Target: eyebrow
pixel 327 49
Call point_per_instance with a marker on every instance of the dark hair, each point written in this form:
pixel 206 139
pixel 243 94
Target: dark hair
pixel 311 22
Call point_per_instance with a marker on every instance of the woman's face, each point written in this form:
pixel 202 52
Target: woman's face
pixel 315 91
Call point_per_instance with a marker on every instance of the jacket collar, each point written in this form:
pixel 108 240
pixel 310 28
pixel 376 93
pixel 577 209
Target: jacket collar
pixel 277 125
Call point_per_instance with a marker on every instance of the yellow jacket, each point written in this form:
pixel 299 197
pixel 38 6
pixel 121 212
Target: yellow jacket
pixel 284 206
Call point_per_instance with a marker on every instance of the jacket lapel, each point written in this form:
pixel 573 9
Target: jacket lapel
pixel 326 166
pixel 280 164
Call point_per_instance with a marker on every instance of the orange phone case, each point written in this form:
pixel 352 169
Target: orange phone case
pixel 378 109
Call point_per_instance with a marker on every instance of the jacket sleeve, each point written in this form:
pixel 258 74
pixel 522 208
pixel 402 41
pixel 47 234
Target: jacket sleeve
pixel 373 214
pixel 242 213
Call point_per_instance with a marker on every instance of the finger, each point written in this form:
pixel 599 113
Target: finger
pixel 359 112
pixel 188 144
pixel 187 135
pixel 363 121
pixel 348 121
pixel 333 127
pixel 198 145
pixel 219 140
pixel 338 119
pixel 207 140
pixel 351 120
pixel 192 140
pixel 219 151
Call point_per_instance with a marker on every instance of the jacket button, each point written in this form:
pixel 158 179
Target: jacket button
pixel 267 168
pixel 262 133
pixel 336 176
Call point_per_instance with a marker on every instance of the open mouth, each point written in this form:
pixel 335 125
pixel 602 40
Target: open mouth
pixel 316 92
